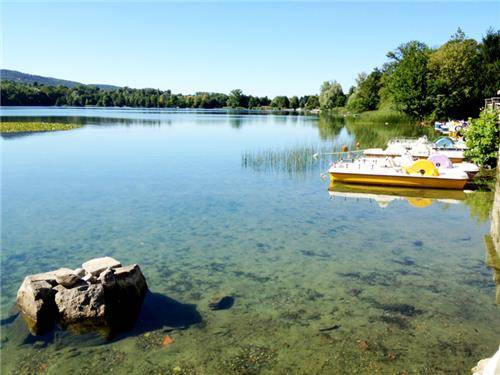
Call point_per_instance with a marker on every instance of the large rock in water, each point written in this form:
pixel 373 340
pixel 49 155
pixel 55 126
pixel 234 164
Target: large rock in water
pixel 107 299
pixel 35 298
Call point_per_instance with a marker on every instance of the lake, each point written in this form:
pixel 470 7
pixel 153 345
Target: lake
pixel 213 203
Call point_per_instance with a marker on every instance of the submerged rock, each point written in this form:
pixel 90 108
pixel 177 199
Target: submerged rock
pixel 106 299
pixel 221 303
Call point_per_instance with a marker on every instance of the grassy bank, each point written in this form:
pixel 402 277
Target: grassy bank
pixel 386 115
pixel 27 127
pixel 383 116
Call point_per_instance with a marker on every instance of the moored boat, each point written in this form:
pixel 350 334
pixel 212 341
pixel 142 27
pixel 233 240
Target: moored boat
pixel 421 174
pixel 420 148
pixel 451 127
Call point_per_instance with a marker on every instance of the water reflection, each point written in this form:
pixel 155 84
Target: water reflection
pixel 480 204
pixel 418 198
pixel 493 262
pixel 492 241
pixel 236 119
pixel 329 126
pixel 370 133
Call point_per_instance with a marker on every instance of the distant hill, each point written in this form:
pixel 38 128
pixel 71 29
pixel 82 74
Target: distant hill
pixel 14 75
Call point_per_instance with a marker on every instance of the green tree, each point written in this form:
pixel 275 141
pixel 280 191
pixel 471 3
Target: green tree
pixel 331 95
pixel 235 98
pixel 407 81
pixel 453 78
pixel 366 96
pixel 264 101
pixel 280 102
pixel 351 91
pixel 253 102
pixel 312 102
pixel 105 101
pixel 483 138
pixel 489 54
pixel 303 101
pixel 294 102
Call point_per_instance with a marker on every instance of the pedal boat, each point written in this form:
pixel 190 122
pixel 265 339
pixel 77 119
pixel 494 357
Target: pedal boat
pixel 384 172
pixel 419 148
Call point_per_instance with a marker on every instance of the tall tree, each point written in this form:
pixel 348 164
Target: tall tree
pixel 312 102
pixel 331 95
pixel 454 84
pixel 366 96
pixel 489 53
pixel 235 98
pixel 281 102
pixel 253 102
pixel 408 78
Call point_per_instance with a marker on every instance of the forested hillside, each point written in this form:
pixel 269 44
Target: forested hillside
pixel 30 79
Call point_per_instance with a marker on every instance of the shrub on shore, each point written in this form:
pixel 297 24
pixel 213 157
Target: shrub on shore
pixel 483 138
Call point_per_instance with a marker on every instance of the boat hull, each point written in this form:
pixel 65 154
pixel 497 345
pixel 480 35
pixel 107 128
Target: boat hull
pixel 403 181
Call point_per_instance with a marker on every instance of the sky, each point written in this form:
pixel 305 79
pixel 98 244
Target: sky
pixel 263 48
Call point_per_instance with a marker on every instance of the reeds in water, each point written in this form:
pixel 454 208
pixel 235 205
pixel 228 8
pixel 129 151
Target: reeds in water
pixel 295 160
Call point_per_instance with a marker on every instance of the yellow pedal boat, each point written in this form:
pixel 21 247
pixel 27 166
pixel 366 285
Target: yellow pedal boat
pixel 421 174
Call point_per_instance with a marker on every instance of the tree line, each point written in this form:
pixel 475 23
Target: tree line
pixel 450 81
pixel 21 94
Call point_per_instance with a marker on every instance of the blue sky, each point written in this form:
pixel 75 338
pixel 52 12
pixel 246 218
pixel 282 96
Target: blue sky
pixel 262 48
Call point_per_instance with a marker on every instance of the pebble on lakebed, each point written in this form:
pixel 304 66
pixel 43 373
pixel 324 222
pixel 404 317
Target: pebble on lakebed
pixel 91 298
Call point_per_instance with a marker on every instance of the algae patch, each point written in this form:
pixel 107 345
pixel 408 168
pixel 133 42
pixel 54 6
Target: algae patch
pixel 30 127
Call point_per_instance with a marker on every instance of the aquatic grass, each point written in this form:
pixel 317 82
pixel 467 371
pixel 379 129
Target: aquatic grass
pixel 28 127
pixel 480 204
pixel 295 160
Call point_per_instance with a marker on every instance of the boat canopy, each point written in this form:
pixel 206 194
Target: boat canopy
pixel 444 142
pixel 440 161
